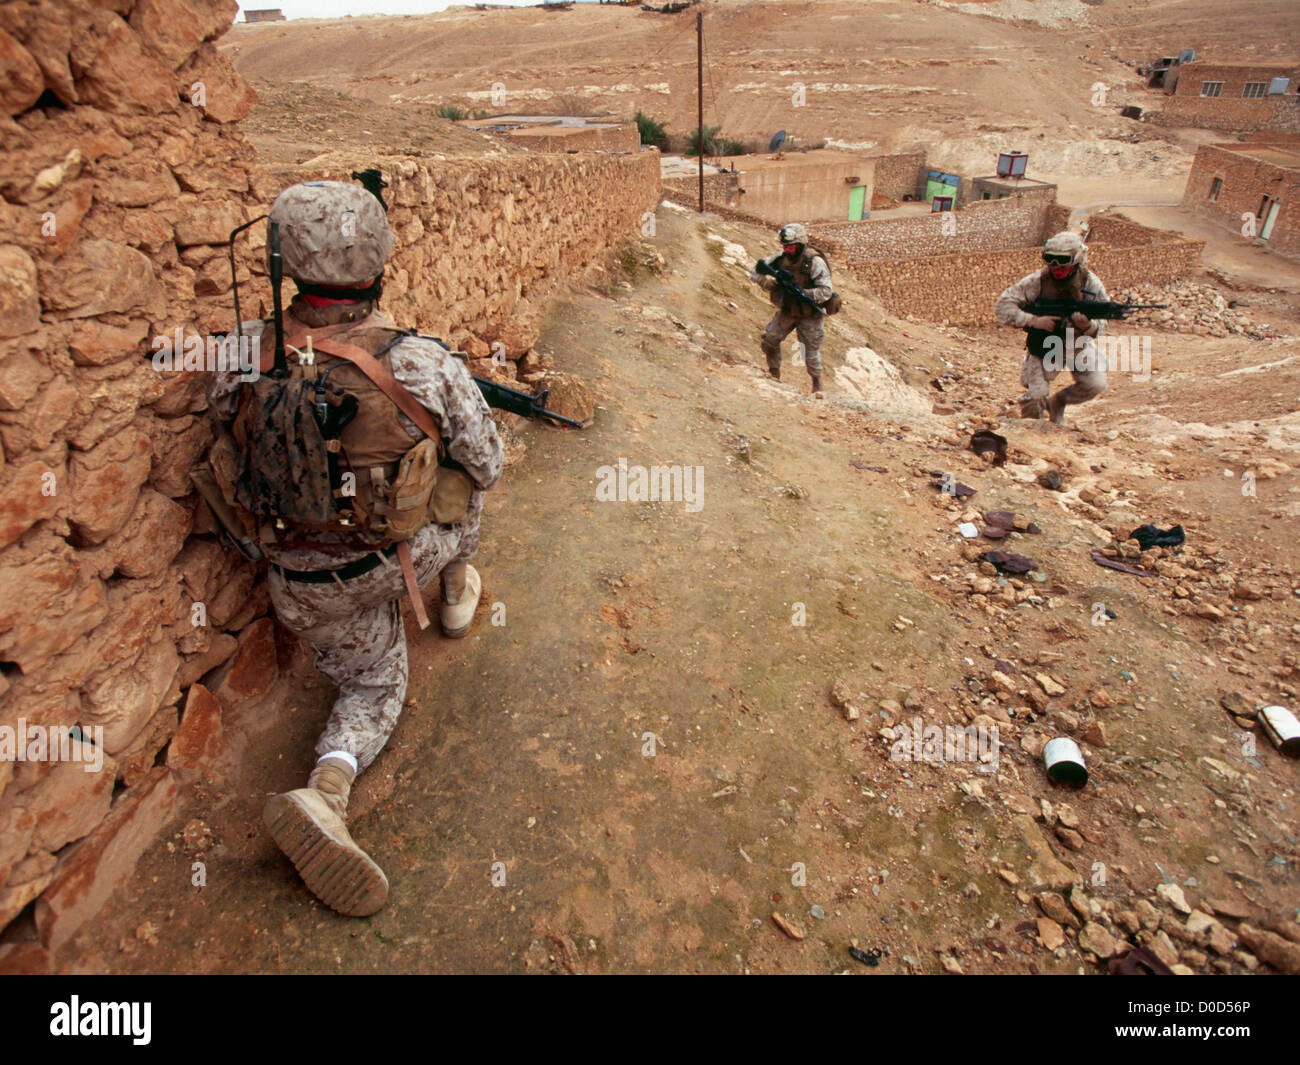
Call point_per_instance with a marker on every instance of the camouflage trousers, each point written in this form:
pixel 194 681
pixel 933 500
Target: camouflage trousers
pixel 356 630
pixel 810 331
pixel 1037 379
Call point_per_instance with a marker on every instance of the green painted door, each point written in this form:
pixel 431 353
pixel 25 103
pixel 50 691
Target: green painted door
pixel 857 200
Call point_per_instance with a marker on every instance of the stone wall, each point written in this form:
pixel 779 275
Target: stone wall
pixel 961 289
pixel 983 224
pixel 122 174
pixel 623 138
pixel 1232 116
pixel 482 242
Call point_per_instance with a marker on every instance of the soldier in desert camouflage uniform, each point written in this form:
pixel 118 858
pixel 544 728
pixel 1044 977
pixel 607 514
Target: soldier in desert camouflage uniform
pixel 1064 276
pixel 346 600
pixel 814 277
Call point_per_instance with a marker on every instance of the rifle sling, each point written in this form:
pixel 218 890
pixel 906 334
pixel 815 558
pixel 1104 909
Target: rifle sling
pixel 383 379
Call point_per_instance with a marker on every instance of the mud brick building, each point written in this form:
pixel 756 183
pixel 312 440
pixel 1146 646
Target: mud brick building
pixel 1242 97
pixel 1259 178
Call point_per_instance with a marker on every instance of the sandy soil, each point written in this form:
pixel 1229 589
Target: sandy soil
pixel 527 743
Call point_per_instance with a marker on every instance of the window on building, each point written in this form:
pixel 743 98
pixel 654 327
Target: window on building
pixel 1215 188
pixel 1211 88
pixel 1254 90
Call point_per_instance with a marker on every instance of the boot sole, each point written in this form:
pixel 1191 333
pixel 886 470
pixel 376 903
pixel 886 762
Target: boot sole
pixel 345 878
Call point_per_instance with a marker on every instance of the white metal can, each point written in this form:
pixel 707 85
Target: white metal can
pixel 1282 728
pixel 1064 762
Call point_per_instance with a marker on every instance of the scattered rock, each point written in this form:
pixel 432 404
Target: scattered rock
pixel 1093 937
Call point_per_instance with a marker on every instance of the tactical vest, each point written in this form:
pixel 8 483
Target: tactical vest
pixel 1072 288
pixel 321 460
pixel 800 270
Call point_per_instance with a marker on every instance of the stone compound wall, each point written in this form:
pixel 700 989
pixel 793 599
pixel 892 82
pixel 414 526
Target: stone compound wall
pixel 1245 182
pixel 1012 222
pixel 117 194
pixel 960 289
pixel 624 138
pixel 481 242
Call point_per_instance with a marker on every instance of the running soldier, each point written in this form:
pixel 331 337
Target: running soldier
pixel 811 273
pixel 1063 277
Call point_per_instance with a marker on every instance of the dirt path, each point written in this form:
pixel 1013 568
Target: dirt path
pixel 646 744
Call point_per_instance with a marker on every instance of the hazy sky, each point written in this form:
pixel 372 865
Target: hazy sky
pixel 339 8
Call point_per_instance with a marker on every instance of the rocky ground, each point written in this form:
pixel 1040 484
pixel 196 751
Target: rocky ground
pixel 689 745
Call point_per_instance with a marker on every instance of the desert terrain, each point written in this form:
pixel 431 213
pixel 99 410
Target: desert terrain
pixel 679 751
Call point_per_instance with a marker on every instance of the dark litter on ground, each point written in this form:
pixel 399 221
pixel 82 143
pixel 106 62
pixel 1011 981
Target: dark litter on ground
pixel 1123 567
pixel 953 488
pixel 987 442
pixel 1138 962
pixel 1007 562
pixel 867 957
pixel 1148 536
pixel 1001 523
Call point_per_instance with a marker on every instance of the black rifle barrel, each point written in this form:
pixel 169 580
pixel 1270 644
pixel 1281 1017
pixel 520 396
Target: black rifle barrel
pixel 1092 308
pixel 509 399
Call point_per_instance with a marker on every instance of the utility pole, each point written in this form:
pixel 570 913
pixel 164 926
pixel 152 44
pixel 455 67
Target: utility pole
pixel 699 74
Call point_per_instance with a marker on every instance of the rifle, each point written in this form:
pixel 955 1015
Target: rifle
pixel 1094 309
pixel 502 398
pixel 498 395
pixel 786 283
pixel 1064 310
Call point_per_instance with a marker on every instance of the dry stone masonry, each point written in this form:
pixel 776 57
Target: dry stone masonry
pixel 121 176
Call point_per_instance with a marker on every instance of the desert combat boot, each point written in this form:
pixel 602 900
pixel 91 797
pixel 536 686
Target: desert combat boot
pixel 309 826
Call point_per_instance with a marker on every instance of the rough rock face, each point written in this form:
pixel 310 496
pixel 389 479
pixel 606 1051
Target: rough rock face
pixel 118 178
pixel 121 177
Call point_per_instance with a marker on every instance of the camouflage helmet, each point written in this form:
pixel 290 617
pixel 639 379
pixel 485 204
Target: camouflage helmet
pixel 1067 243
pixel 793 233
pixel 331 233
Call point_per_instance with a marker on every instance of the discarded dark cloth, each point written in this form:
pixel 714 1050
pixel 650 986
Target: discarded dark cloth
pixel 1138 962
pixel 988 441
pixel 1149 536
pixel 1001 523
pixel 1123 567
pixel 867 957
pixel 1006 562
pixel 961 491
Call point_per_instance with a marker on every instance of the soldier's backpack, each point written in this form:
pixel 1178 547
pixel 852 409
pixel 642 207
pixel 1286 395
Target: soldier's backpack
pixel 319 459
pixel 833 303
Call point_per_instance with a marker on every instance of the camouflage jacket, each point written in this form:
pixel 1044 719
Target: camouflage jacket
pixel 440 383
